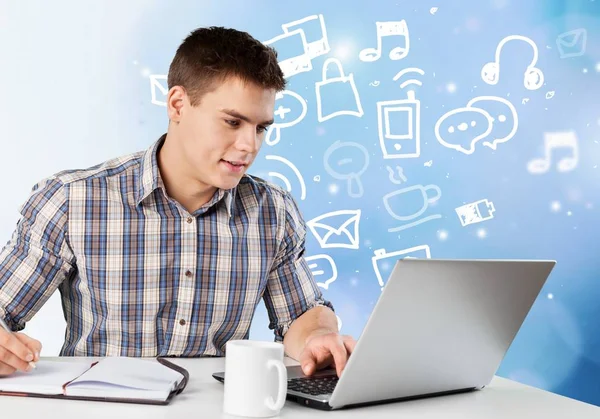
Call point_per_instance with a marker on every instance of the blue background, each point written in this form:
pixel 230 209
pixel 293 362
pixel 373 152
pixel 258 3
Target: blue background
pixel 558 347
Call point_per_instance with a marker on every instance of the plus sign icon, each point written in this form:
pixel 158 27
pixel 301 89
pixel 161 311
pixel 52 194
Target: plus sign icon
pixel 290 109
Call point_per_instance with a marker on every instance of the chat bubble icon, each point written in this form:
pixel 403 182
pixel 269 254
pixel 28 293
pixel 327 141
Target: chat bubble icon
pixel 505 120
pixel 460 129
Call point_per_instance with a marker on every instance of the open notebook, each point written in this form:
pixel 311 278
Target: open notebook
pixel 119 379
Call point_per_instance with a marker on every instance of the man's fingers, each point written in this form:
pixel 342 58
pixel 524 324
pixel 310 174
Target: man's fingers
pixel 307 362
pixel 11 360
pixel 11 345
pixel 33 344
pixel 349 343
pixel 340 356
pixel 6 369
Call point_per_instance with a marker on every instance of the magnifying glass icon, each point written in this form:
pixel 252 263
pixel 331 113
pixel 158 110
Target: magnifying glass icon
pixel 347 161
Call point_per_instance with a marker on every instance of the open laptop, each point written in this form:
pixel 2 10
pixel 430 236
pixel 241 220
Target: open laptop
pixel 439 327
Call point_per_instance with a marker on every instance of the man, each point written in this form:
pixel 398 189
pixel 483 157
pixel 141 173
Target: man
pixel 167 252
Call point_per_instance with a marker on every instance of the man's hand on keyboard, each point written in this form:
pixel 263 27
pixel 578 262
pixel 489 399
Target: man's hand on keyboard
pixel 321 351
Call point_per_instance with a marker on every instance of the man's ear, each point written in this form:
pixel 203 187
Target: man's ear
pixel 176 100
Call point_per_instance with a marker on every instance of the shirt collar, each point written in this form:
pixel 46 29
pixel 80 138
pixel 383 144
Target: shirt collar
pixel 150 180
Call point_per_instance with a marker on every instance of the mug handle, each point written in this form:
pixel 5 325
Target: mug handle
pixel 435 197
pixel 282 392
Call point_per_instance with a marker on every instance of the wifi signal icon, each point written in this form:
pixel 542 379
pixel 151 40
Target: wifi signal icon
pixel 284 179
pixel 410 81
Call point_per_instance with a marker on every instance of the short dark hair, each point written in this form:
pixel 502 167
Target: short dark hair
pixel 210 55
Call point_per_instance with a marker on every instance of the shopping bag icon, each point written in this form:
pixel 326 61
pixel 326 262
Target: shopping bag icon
pixel 336 94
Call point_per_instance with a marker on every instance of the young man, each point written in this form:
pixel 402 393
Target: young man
pixel 167 252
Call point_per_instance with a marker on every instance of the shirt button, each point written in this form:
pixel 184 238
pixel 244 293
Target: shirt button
pixel 189 220
pixel 182 322
pixel 188 273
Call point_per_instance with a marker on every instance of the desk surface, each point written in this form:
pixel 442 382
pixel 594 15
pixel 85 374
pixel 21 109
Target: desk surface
pixel 203 397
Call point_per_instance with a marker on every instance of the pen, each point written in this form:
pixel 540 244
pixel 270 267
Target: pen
pixel 5 326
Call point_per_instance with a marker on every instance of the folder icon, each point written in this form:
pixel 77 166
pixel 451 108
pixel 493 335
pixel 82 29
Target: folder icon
pixel 337 229
pixel 572 43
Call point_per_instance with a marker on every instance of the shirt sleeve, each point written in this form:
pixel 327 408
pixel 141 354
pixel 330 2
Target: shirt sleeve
pixel 291 288
pixel 37 258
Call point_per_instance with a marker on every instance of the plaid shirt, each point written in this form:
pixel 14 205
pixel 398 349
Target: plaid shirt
pixel 140 276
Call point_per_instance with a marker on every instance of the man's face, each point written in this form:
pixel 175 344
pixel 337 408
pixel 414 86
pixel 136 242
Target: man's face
pixel 220 137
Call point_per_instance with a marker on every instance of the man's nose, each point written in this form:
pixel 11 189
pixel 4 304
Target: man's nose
pixel 248 141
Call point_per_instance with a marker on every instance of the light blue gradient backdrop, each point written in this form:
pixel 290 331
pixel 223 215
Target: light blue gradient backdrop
pixel 558 347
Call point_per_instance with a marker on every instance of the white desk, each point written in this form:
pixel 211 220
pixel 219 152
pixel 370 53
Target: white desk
pixel 203 398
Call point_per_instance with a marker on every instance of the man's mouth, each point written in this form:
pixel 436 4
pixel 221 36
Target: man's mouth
pixel 234 166
pixel 234 162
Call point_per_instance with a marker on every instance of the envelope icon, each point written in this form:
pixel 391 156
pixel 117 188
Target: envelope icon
pixel 159 89
pixel 337 229
pixel 572 43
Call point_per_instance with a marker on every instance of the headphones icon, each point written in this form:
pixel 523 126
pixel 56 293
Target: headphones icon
pixel 533 78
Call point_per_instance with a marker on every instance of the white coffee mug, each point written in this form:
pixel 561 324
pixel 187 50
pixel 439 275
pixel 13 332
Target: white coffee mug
pixel 250 380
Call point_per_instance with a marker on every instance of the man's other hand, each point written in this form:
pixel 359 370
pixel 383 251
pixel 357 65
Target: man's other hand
pixel 16 351
pixel 322 351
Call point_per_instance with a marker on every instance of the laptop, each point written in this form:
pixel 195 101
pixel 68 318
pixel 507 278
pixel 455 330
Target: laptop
pixel 439 327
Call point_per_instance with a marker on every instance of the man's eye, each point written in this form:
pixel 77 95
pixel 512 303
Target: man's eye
pixel 232 122
pixel 262 129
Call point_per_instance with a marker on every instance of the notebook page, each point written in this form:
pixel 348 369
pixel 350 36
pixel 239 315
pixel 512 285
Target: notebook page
pixel 47 378
pixel 134 373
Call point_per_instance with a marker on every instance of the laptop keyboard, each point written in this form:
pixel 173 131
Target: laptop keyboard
pixel 314 386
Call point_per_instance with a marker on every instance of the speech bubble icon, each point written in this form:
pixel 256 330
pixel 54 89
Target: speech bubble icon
pixel 505 120
pixel 460 129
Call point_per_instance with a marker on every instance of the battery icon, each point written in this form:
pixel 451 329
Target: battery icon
pixel 476 212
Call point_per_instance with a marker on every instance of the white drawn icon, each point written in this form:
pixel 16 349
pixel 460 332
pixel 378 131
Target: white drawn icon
pixel 159 89
pixel 296 64
pixel 572 43
pixel 392 177
pixel 384 262
pixel 319 271
pixel 433 10
pixel 337 229
pixel 533 78
pixel 339 322
pixel 281 111
pixel 485 117
pixel 399 125
pixel 284 179
pixel 339 90
pixel 552 142
pixel 505 120
pixel 320 45
pixel 410 81
pixel 384 30
pixel 408 204
pixel 475 212
pixel 351 162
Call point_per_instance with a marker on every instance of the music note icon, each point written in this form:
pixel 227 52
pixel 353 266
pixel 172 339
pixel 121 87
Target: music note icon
pixel 385 29
pixel 553 141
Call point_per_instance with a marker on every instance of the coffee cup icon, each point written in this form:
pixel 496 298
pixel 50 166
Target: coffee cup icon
pixel 410 203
